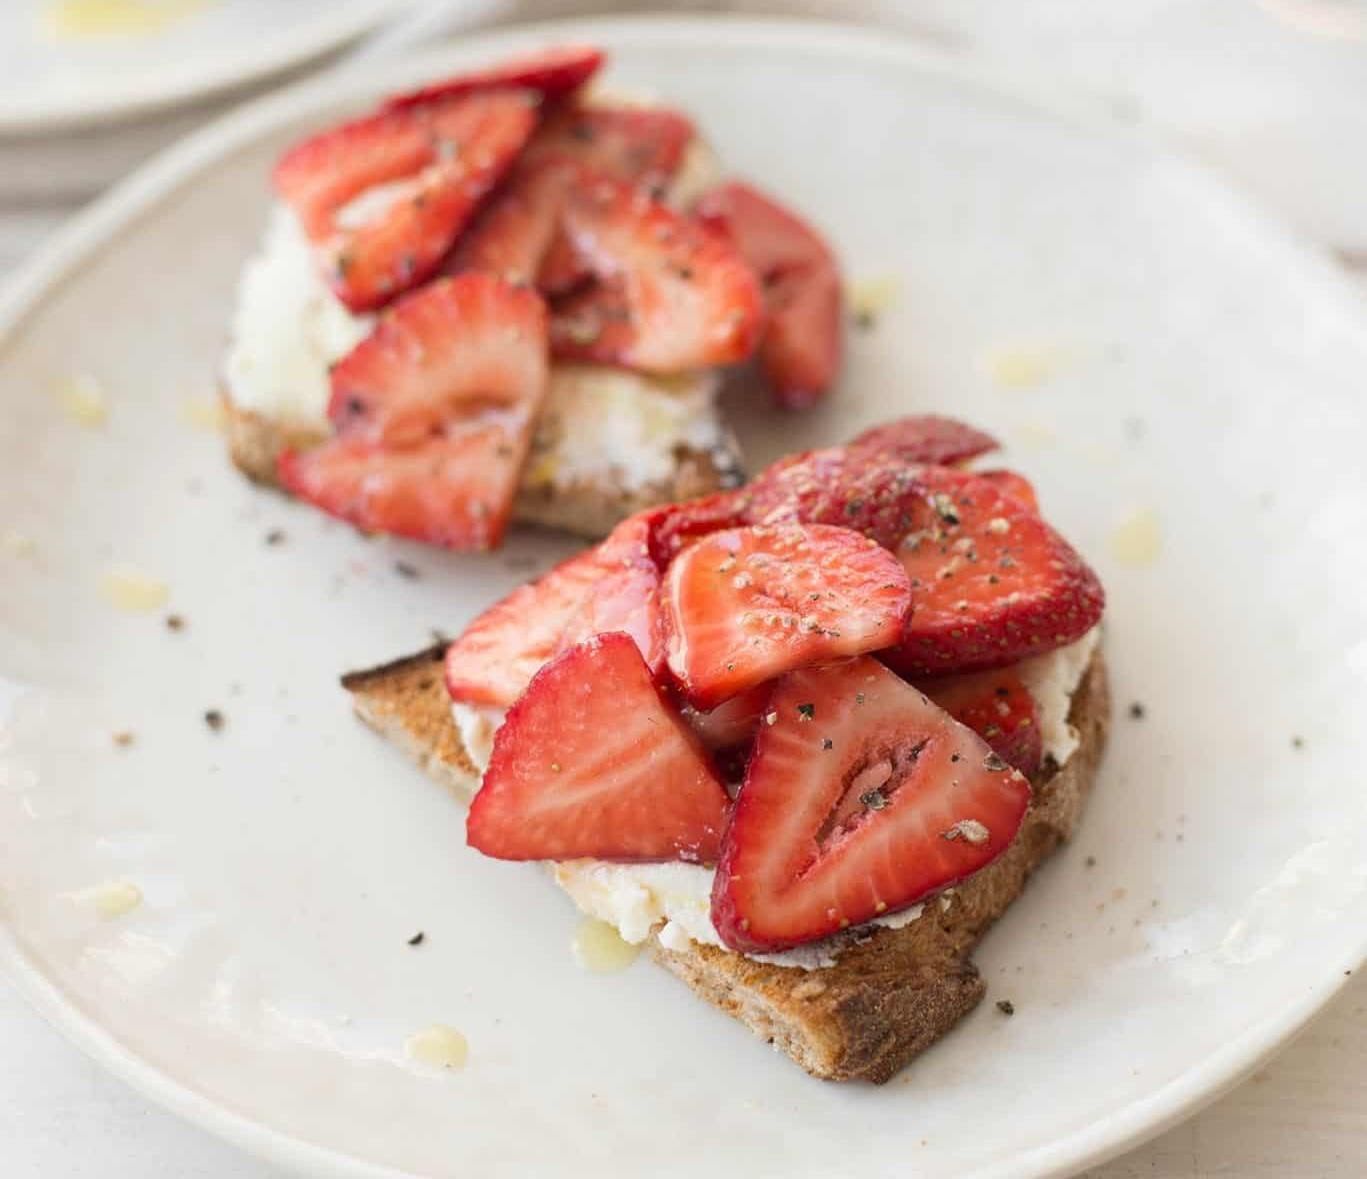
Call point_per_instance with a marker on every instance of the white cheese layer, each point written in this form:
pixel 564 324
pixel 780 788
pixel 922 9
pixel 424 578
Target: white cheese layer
pixel 676 898
pixel 600 427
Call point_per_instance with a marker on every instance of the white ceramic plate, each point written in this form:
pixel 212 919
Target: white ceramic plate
pixel 1144 343
pixel 65 62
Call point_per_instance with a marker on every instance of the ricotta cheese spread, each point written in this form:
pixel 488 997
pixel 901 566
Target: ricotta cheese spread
pixel 676 898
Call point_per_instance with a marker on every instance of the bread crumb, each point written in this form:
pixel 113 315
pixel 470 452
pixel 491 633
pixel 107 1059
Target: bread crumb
pixel 215 720
pixel 175 622
pixel 124 738
pixel 1006 1007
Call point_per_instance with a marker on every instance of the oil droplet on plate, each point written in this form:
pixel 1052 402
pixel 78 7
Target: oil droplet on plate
pixel 129 589
pixel 204 413
pixel 111 899
pixel 1032 436
pixel 1138 539
pixel 82 400
pixel 18 545
pixel 115 18
pixel 1022 365
pixel 870 297
pixel 597 946
pixel 438 1045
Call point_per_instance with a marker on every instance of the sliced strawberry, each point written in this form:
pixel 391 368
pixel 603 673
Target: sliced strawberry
pixel 993 582
pixel 925 438
pixel 434 411
pixel 515 232
pixel 999 708
pixel 425 170
pixel 466 348
pixel 453 491
pixel 688 297
pixel 746 605
pixel 674 527
pixel 613 586
pixel 861 799
pixel 733 722
pixel 495 657
pixel 1018 487
pixel 625 597
pixel 866 491
pixel 519 235
pixel 644 145
pixel 865 484
pixel 801 348
pixel 552 73
pixel 592 761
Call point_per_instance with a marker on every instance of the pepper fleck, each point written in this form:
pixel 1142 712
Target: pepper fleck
pixel 827 743
pixel 275 536
pixel 404 569
pixel 806 711
pixel 1136 711
pixel 1297 742
pixel 175 622
pixel 1006 1007
pixel 417 938
pixel 215 720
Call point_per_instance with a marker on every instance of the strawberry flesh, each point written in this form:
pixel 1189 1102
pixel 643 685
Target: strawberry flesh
pixel 999 708
pixel 993 582
pixel 434 413
pixel 801 349
pixel 1018 487
pixel 551 73
pixel 426 168
pixel 924 438
pixel 613 586
pixel 593 762
pixel 670 295
pixel 861 798
pixel 748 604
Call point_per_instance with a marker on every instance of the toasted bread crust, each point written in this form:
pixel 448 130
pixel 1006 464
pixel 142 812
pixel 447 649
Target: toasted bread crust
pixel 586 509
pixel 887 997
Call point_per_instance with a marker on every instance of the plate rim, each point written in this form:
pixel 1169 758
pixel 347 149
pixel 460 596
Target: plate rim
pixel 323 34
pixel 54 263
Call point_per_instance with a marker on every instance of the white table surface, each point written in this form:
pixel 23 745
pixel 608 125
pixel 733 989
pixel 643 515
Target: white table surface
pixel 1274 93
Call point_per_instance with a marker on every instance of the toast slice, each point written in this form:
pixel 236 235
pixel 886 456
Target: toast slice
pixel 587 505
pixel 887 996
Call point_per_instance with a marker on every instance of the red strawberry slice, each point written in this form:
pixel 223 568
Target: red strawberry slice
pixel 424 170
pixel 676 526
pixel 452 491
pixel 746 605
pixel 434 411
pixel 733 722
pixel 519 235
pixel 552 73
pixel 999 708
pixel 470 347
pixel 925 438
pixel 496 656
pixel 515 233
pixel 801 348
pixel 867 492
pixel 1018 487
pixel 626 596
pixel 861 799
pixel 865 484
pixel 592 761
pixel 644 145
pixel 614 586
pixel 688 298
pixel 993 582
